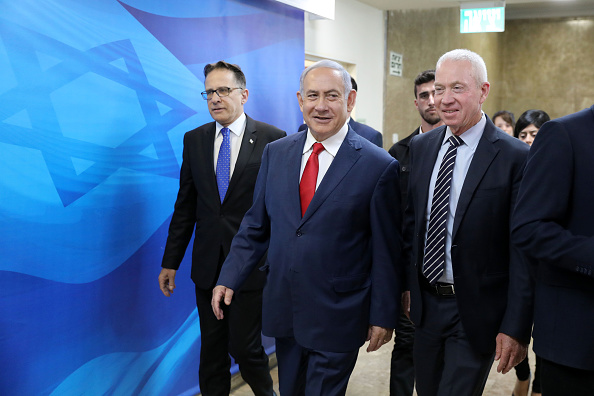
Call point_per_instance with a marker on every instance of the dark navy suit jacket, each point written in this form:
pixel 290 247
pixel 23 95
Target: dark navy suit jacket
pixel 367 132
pixel 490 278
pixel 335 271
pixel 554 225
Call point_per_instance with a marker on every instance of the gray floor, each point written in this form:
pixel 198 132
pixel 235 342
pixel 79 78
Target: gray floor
pixel 372 372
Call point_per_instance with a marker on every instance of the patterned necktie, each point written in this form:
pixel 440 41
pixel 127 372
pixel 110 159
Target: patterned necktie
pixel 434 260
pixel 309 179
pixel 224 164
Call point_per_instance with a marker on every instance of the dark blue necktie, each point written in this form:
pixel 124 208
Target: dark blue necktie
pixel 224 164
pixel 434 259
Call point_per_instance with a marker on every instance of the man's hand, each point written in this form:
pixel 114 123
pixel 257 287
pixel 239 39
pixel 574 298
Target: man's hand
pixel 167 281
pixel 218 294
pixel 509 351
pixel 405 300
pixel 378 336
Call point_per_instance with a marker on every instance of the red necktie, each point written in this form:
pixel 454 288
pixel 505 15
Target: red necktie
pixel 307 187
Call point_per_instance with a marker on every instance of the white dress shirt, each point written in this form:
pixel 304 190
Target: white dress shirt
pixel 236 135
pixel 464 155
pixel 325 158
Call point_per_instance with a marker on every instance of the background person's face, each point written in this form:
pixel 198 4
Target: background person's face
pixel 504 126
pixel 528 134
pixel 425 102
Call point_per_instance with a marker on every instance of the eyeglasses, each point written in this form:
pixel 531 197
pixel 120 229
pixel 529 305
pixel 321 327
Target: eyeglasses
pixel 223 91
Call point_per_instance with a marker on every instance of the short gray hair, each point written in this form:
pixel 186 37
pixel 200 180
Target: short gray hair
pixel 477 63
pixel 346 77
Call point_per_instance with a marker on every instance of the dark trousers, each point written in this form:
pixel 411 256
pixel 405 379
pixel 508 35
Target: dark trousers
pixel 402 370
pixel 560 380
pixel 303 371
pixel 445 362
pixel 523 373
pixel 238 334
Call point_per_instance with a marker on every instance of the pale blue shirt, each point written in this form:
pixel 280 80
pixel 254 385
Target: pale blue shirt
pixel 325 158
pixel 464 156
pixel 236 135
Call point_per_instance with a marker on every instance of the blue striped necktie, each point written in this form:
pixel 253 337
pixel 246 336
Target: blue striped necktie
pixel 434 260
pixel 224 164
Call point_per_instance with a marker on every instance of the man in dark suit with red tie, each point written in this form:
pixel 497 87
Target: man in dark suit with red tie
pixel 221 160
pixel 469 290
pixel 553 224
pixel 327 210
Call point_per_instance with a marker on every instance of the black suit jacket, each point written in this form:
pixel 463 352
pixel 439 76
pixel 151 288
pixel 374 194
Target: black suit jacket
pixel 491 282
pixel 554 225
pixel 198 204
pixel 401 151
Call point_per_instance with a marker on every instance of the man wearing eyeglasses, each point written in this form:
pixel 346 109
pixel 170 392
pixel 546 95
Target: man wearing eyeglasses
pixel 221 160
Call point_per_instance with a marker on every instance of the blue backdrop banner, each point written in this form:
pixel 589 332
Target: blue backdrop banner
pixel 95 98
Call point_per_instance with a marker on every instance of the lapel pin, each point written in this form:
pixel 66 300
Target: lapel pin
pixel 251 141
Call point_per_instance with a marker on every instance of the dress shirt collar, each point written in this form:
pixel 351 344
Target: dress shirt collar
pixel 470 137
pixel 236 126
pixel 331 145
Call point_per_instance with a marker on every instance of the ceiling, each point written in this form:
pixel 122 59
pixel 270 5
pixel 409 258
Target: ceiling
pixel 515 9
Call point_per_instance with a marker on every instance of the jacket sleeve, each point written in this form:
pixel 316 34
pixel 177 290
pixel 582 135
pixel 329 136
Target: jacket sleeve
pixel 387 267
pixel 183 220
pixel 544 205
pixel 251 241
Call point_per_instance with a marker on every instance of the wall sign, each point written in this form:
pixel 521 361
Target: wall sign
pixel 395 64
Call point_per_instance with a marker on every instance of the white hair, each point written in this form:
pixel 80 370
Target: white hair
pixel 477 63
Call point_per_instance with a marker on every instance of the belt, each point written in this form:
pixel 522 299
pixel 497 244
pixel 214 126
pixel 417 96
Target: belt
pixel 440 289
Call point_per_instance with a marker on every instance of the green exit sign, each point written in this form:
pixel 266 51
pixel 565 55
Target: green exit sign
pixel 481 20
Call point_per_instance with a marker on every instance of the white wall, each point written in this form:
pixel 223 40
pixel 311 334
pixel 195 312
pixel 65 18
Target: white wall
pixel 356 36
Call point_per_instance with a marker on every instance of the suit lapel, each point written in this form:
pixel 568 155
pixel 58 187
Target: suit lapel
pixel 483 157
pixel 346 157
pixel 207 148
pixel 427 162
pixel 294 154
pixel 248 142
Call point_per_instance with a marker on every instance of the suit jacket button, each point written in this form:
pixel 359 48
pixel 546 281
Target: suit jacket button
pixel 299 233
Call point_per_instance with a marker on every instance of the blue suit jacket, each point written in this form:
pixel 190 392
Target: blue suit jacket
pixel 367 132
pixel 492 283
pixel 554 225
pixel 335 271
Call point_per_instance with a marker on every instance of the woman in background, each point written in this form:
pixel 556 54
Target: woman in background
pixel 528 125
pixel 505 121
pixel 526 129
